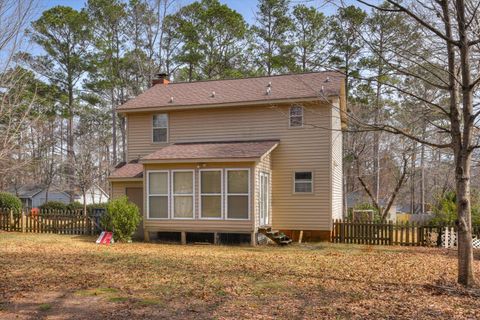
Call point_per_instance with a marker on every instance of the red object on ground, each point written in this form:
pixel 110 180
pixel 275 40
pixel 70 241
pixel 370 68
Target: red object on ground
pixel 105 238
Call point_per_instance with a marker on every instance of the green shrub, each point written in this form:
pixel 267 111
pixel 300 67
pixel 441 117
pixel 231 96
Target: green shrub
pixel 445 209
pixel 122 217
pixel 10 201
pixel 53 205
pixel 74 206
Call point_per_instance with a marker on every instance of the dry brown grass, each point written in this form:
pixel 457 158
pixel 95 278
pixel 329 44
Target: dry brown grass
pixel 70 277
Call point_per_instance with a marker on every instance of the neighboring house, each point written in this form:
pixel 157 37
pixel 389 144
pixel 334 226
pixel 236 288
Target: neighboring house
pixel 94 195
pixel 357 198
pixel 229 156
pixel 33 196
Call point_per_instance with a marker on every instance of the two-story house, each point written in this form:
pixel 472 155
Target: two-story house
pixel 226 157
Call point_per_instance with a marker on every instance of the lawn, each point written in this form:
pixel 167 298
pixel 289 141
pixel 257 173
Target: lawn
pixel 70 277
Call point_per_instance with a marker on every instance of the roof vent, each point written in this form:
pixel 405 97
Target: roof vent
pixel 213 94
pixel 269 91
pixel 171 99
pixel 327 79
pixel 269 84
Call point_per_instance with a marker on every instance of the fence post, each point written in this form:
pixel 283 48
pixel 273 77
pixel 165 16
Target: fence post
pixel 342 232
pixel 445 243
pixel 23 221
pixel 390 233
pixel 12 221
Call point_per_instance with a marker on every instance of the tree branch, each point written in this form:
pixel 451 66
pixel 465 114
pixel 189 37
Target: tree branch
pixel 420 20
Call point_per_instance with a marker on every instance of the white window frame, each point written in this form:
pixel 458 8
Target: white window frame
pixel 158 195
pixel 173 194
pixel 221 194
pixel 303 181
pixel 237 194
pixel 290 116
pixel 167 127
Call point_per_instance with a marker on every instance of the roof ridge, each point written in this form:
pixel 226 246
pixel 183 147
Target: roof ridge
pixel 258 77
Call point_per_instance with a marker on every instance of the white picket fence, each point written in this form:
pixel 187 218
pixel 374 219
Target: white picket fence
pixel 449 239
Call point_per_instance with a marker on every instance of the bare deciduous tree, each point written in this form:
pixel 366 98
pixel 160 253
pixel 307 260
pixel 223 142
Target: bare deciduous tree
pixel 447 61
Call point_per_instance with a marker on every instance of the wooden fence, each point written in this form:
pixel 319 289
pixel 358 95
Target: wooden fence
pixel 389 233
pixel 50 221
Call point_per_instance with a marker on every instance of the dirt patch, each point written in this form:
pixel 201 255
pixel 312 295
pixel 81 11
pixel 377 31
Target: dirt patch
pixel 96 304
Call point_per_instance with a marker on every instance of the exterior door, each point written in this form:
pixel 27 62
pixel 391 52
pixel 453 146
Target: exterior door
pixel 264 198
pixel 135 195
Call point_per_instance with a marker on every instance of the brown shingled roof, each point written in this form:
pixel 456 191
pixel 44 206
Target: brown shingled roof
pixel 247 90
pixel 213 150
pixel 130 170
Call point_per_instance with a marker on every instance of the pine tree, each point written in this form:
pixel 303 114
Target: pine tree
pixel 271 30
pixel 63 34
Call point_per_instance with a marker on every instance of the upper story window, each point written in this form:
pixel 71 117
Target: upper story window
pixel 303 182
pixel 160 127
pixel 296 117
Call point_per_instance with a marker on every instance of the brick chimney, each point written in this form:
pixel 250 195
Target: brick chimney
pixel 160 78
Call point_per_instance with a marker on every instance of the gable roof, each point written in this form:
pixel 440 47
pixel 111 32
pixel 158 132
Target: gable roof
pixel 231 150
pixel 30 191
pixel 238 91
pixel 129 170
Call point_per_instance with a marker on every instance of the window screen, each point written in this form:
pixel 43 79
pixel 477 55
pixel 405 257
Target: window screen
pixel 211 194
pixel 237 194
pixel 158 195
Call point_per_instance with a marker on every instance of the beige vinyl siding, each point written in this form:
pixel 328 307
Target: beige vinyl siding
pixel 197 224
pixel 337 164
pixel 119 187
pixel 306 148
pixel 264 165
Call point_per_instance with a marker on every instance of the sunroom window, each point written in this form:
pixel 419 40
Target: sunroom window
pixel 237 194
pixel 211 194
pixel 183 194
pixel 158 195
pixel 160 128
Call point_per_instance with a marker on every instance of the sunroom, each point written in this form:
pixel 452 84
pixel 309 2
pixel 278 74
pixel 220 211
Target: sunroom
pixel 210 188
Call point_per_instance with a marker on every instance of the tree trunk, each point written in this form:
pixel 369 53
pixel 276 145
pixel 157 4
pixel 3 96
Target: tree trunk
pixel 422 171
pixel 124 138
pixel 422 180
pixel 412 179
pixel 465 247
pixel 114 129
pixel 84 202
pixel 70 180
pixel 461 139
pixel 376 134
